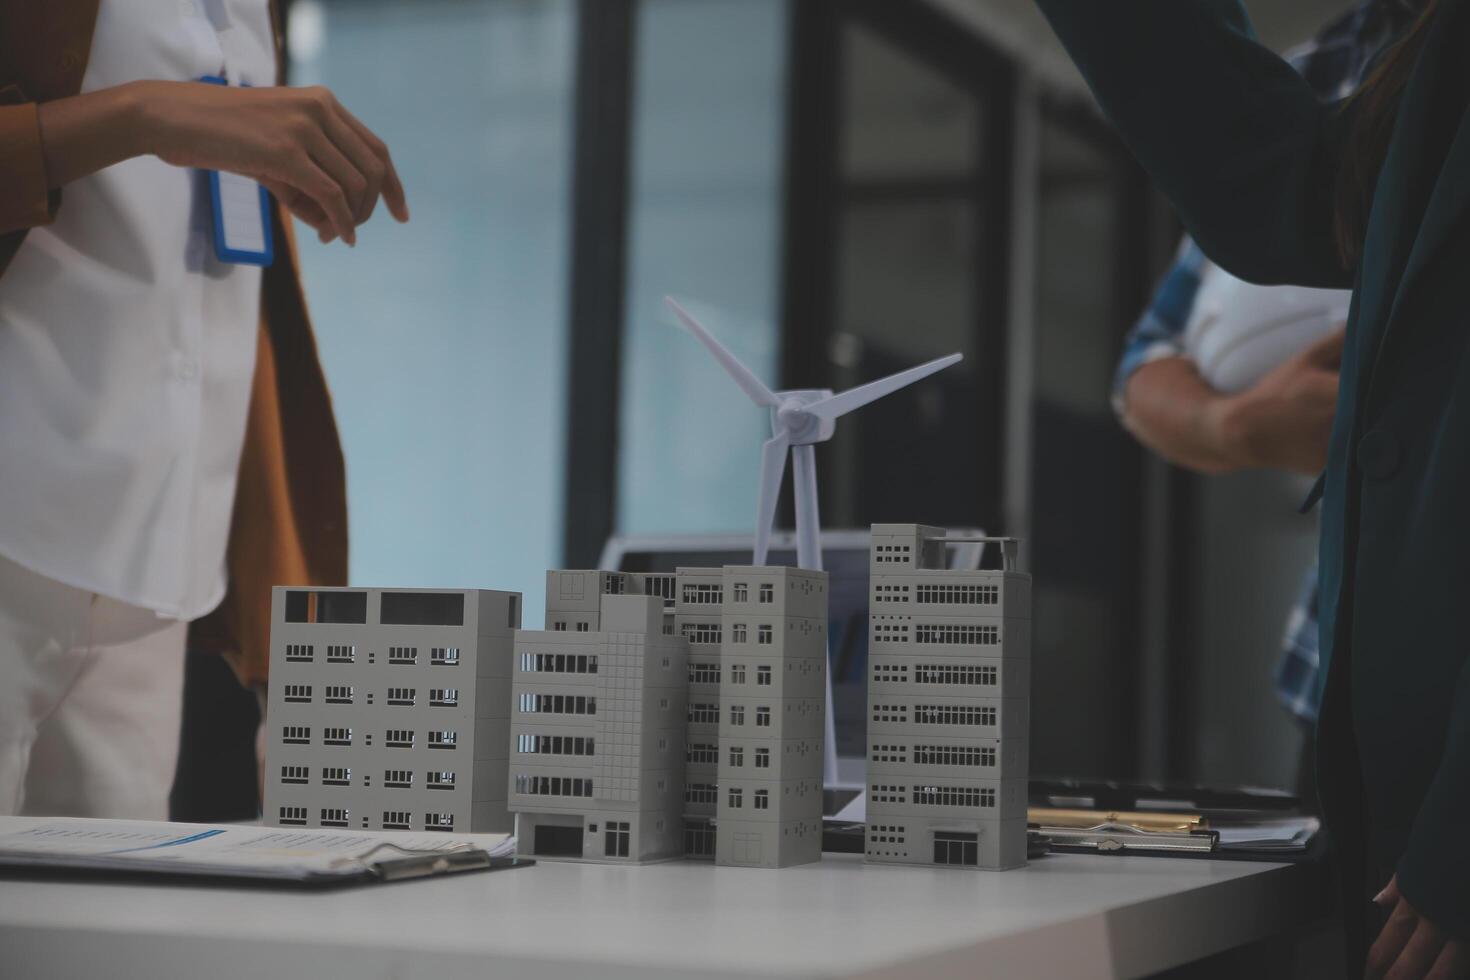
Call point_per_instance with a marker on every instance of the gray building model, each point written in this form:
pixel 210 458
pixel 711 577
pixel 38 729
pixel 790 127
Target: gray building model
pixel 772 684
pixel 949 685
pixel 388 709
pixel 598 725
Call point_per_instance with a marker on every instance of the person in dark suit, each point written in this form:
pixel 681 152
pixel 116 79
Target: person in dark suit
pixel 1371 193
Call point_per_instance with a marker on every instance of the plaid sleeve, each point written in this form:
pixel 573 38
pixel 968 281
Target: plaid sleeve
pixel 1159 332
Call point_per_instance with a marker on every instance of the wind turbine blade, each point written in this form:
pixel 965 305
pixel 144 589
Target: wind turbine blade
pixel 835 406
pixel 773 468
pixel 748 382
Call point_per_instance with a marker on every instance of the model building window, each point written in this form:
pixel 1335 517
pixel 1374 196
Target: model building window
pixel 444 697
pixel 293 815
pixel 298 692
pixel 444 656
pixel 701 672
pixel 762 799
pixel 763 676
pixel 699 839
pixel 398 778
pixel 768 592
pixel 398 738
pixel 737 674
pixel 338 694
pixel 742 592
pixel 699 793
pixel 706 633
pixel 439 779
pixel 582 627
pixel 294 774
pixel 957 633
pixel 439 821
pixel 763 758
pixel 704 714
pixel 558 627
pixel 737 714
pixel 704 595
pixel 299 652
pixel 403 655
pixel 335 816
pixel 296 734
pixel 402 695
pixel 336 776
pixel 338 654
pixel 951 847
pixel 737 757
pixel 337 736
pixel 702 752
pixel 763 717
pixel 737 633
pixel 397 820
pixel 615 838
pixel 763 635
pixel 735 799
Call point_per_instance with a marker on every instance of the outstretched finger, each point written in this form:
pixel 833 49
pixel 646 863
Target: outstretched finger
pixel 302 207
pixel 1419 954
pixel 393 194
pixel 1391 941
pixel 1453 963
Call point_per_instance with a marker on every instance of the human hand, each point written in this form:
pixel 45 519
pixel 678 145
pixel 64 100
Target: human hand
pixel 1411 947
pixel 1285 420
pixel 318 160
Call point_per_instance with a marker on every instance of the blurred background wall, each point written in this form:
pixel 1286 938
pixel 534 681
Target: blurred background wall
pixel 843 188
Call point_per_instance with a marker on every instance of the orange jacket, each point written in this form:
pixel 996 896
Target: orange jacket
pixel 290 520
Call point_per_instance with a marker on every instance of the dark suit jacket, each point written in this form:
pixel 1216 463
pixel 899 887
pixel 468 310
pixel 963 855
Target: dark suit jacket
pixel 1249 158
pixel 290 520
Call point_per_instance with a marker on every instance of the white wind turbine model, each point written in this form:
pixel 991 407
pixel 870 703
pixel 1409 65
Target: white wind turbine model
pixel 799 420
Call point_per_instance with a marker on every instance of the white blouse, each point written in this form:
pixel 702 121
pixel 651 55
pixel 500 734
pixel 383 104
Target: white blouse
pixel 127 350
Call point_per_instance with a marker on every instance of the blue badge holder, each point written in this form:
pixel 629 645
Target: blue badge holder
pixel 222 250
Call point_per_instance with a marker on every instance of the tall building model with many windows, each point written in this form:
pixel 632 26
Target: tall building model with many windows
pixel 598 725
pixel 389 709
pixel 949 685
pixel 699 597
pixel 772 683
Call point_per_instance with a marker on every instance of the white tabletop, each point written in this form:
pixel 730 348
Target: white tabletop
pixel 1063 916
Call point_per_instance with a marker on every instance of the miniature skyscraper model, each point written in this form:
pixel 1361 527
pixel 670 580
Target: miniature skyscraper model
pixel 699 599
pixel 949 686
pixel 772 679
pixel 597 770
pixel 389 709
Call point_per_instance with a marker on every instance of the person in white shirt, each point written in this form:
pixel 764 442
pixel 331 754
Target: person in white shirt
pixel 127 353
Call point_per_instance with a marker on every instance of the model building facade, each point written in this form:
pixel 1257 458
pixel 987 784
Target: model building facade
pixel 598 729
pixel 389 709
pixel 772 684
pixel 699 598
pixel 949 688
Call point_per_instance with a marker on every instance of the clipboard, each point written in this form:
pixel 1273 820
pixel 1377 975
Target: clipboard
pixel 240 854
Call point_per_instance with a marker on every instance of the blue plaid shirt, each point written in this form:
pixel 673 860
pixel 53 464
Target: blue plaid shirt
pixel 1333 62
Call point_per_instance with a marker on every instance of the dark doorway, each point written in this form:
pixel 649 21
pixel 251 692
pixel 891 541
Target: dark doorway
pixel 956 848
pixel 558 841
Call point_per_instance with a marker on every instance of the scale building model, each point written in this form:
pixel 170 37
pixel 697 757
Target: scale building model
pixel 699 597
pixel 389 709
pixel 598 726
pixel 949 685
pixel 772 687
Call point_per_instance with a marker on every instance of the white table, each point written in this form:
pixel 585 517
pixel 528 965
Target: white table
pixel 1064 916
